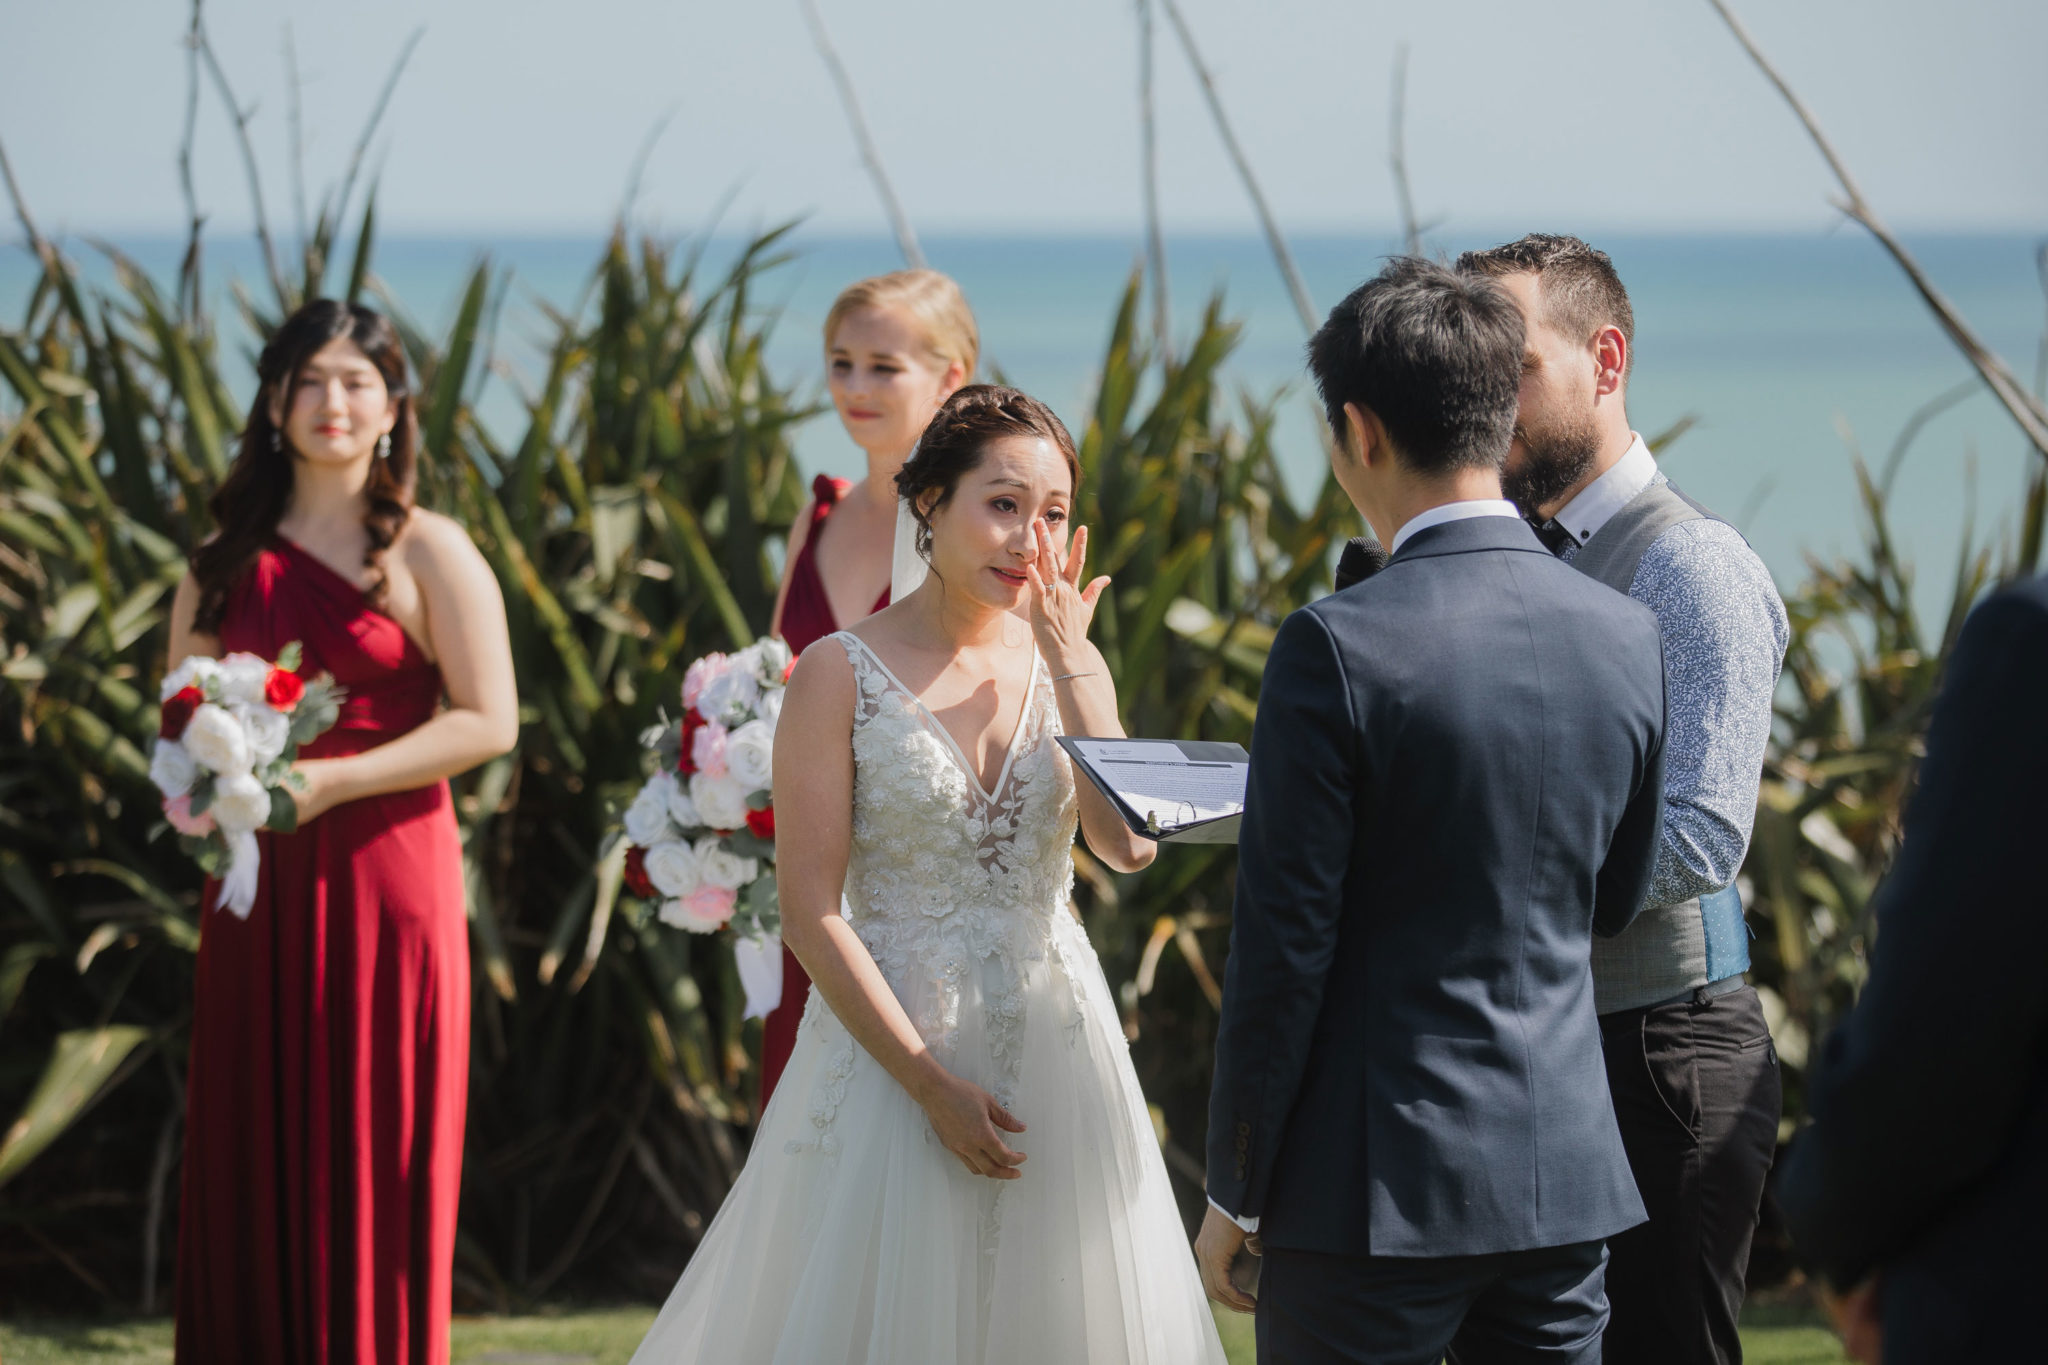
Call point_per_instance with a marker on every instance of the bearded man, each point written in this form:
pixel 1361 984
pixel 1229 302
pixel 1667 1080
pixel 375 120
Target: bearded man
pixel 1689 1058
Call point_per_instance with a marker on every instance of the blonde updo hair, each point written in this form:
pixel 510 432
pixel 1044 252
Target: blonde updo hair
pixel 943 317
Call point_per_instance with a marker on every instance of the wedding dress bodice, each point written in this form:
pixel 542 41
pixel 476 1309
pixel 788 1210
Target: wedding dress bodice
pixel 947 879
pixel 853 1236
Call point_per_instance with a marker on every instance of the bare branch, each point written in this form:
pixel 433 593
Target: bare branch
pixel 355 160
pixel 2026 410
pixel 1281 255
pixel 1155 238
pixel 1397 153
pixel 241 119
pixel 39 244
pixel 188 270
pixel 906 239
pixel 298 133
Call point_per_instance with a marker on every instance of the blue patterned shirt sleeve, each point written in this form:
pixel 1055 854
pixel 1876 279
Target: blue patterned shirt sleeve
pixel 1724 632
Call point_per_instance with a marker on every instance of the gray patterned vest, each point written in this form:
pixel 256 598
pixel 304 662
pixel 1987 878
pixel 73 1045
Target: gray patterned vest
pixel 1668 949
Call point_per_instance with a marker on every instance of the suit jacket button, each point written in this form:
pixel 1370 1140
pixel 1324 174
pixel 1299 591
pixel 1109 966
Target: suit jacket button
pixel 1244 1129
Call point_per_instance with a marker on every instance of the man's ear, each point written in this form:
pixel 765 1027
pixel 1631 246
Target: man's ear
pixel 1610 361
pixel 1365 440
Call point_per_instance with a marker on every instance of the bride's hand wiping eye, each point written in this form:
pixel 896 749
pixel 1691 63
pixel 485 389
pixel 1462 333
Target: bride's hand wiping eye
pixel 1061 608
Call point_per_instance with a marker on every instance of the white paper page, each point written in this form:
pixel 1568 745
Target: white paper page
pixel 1157 781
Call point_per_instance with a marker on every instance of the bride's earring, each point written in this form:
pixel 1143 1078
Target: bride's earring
pixel 384 446
pixel 276 439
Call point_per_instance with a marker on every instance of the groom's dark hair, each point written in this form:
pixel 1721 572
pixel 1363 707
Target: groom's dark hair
pixel 1436 355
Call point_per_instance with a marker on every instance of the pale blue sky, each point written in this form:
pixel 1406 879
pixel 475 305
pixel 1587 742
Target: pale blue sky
pixel 524 117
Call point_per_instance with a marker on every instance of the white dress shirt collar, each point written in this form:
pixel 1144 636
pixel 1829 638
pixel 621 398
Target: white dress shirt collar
pixel 1599 500
pixel 1450 511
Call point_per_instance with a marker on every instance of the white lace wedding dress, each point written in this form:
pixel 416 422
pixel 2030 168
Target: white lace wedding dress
pixel 852 1237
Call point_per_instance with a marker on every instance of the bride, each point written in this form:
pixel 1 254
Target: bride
pixel 958 1165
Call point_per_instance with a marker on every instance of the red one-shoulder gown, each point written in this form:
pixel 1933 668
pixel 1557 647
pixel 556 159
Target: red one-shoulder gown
pixel 330 1034
pixel 806 617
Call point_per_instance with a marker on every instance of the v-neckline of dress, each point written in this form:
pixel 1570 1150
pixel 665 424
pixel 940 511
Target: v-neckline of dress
pixel 988 795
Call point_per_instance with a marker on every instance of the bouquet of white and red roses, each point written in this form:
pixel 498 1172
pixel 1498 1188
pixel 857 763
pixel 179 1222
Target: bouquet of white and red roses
pixel 229 733
pixel 701 832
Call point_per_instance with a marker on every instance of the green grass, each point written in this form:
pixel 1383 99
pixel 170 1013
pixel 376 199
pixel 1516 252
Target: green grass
pixel 1781 1336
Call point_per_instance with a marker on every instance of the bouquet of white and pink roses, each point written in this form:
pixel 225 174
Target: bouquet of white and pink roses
pixel 230 730
pixel 701 832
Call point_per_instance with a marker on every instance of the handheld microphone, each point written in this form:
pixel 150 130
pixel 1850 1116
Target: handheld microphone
pixel 1362 558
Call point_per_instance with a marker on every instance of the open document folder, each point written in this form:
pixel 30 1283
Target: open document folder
pixel 1178 791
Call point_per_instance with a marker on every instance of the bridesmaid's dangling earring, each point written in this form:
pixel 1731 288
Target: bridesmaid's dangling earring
pixel 276 439
pixel 384 446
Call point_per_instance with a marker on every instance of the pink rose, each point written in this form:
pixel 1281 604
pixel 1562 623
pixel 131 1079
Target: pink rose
pixel 707 750
pixel 179 813
pixel 703 911
pixel 700 673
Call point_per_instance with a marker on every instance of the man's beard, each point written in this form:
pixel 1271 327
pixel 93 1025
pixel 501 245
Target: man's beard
pixel 1553 461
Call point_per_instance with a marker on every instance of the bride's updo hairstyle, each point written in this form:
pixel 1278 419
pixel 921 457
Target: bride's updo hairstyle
pixel 957 435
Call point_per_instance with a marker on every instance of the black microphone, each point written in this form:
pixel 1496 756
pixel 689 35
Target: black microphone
pixel 1362 558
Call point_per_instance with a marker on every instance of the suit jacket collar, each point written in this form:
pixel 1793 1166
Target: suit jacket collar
pixel 1470 536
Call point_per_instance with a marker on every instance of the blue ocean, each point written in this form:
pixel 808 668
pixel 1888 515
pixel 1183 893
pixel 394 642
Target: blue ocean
pixel 1787 351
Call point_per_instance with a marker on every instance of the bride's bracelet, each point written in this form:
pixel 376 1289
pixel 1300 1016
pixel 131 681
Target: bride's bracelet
pixel 1064 676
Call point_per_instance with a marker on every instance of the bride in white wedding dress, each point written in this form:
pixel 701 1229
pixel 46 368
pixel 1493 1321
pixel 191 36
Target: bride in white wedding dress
pixel 958 1167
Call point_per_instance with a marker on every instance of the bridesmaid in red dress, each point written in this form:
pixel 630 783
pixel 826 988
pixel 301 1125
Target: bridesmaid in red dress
pixel 896 346
pixel 330 1030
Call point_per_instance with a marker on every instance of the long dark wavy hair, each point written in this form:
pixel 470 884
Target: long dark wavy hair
pixel 250 500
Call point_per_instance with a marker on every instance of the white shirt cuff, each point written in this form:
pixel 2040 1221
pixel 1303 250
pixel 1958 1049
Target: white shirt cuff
pixel 1248 1224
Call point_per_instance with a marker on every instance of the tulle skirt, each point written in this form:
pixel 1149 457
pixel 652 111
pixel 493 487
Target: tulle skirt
pixel 853 1238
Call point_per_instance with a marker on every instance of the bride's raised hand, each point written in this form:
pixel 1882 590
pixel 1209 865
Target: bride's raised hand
pixel 1061 609
pixel 967 1118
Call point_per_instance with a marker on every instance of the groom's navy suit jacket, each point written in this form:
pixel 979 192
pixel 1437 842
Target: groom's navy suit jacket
pixel 1456 779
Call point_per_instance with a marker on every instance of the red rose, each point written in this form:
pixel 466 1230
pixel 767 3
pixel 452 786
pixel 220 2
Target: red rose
pixel 636 873
pixel 283 690
pixel 178 712
pixel 692 723
pixel 762 823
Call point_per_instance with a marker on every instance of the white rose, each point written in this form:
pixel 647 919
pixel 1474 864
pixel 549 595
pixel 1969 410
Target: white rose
pixel 192 673
pixel 216 740
pixel 172 768
pixel 731 689
pixel 682 809
pixel 647 817
pixel 269 731
pixel 721 801
pixel 750 755
pixel 240 802
pixel 769 708
pixel 672 867
pixel 720 866
pixel 772 657
pixel 242 677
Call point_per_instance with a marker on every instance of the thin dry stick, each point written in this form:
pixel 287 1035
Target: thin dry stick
pixel 240 117
pixel 906 239
pixel 1397 153
pixel 1281 254
pixel 1155 238
pixel 298 131
pixel 2026 410
pixel 188 270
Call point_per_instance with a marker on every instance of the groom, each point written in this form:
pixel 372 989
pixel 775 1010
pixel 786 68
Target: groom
pixel 1456 779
